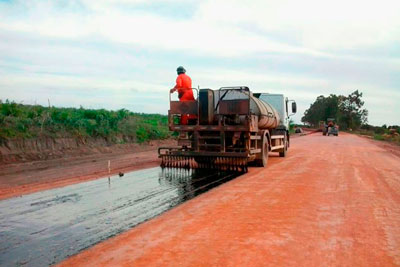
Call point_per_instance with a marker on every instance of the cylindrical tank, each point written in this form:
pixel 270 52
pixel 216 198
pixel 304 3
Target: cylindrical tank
pixel 268 117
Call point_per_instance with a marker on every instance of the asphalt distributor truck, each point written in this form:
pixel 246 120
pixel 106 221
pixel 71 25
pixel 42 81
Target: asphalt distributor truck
pixel 228 129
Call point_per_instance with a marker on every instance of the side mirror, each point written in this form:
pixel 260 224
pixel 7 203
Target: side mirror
pixel 294 107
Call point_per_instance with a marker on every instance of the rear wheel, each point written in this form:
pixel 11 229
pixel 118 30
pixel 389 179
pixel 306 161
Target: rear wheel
pixel 263 161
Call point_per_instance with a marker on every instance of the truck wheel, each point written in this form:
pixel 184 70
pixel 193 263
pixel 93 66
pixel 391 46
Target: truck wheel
pixel 285 143
pixel 264 154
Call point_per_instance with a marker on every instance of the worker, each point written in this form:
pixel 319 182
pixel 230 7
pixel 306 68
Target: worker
pixel 183 85
pixel 185 92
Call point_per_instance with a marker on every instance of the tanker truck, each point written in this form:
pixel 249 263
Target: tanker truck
pixel 228 129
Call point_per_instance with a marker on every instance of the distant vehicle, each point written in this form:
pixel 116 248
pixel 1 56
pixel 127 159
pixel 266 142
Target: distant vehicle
pixel 298 130
pixel 330 128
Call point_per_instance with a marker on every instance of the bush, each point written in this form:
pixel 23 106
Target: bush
pixel 378 137
pixel 24 121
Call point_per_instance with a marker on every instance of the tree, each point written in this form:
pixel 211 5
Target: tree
pixel 322 109
pixel 346 110
pixel 351 113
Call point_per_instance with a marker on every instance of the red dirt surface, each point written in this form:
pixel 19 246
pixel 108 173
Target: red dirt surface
pixel 23 178
pixel 334 201
pixel 389 146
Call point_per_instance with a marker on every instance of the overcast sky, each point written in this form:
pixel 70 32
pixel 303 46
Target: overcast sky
pixel 124 53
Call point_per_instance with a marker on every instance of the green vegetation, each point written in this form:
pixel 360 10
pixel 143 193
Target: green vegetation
pixel 291 126
pixel 29 121
pixel 378 137
pixel 346 110
pixel 383 133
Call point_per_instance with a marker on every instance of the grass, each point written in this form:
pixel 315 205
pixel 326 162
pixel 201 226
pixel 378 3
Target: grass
pixel 31 121
pixel 380 134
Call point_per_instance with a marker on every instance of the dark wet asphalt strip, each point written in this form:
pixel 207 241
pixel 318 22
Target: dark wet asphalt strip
pixel 44 228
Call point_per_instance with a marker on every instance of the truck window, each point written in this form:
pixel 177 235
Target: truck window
pixel 275 101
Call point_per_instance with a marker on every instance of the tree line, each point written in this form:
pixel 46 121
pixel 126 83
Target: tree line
pixel 347 111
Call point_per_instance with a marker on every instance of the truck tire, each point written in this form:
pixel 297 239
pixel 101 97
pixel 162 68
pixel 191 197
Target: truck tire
pixel 264 153
pixel 285 143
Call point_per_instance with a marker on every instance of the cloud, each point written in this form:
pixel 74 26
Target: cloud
pixel 225 76
pixel 148 30
pixel 312 23
pixel 83 91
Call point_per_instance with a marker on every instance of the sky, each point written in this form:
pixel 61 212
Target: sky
pixel 117 54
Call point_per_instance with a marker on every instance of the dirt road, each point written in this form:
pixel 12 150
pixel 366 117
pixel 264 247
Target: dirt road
pixel 334 201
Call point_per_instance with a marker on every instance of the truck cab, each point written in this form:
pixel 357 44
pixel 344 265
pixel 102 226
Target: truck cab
pixel 281 104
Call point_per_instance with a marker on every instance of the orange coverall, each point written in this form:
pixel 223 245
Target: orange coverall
pixel 185 93
pixel 184 87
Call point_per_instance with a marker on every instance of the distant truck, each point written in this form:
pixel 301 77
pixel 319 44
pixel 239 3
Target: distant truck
pixel 232 127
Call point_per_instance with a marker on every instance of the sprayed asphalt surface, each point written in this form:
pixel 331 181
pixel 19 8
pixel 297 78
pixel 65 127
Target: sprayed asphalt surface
pixel 46 227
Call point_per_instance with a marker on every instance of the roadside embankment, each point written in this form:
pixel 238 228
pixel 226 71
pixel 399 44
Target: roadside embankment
pixel 34 132
pixel 46 148
pixel 74 166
